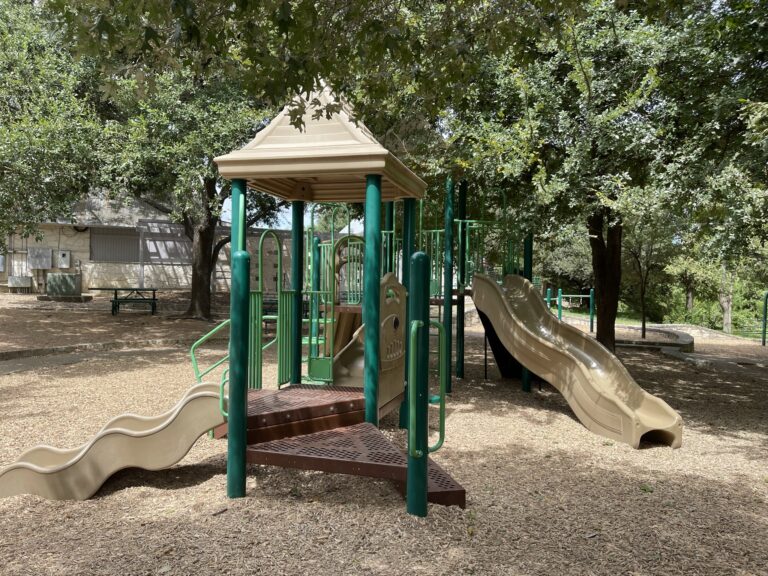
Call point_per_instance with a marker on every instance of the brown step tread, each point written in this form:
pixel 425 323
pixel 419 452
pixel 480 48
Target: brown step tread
pixel 359 450
pixel 299 409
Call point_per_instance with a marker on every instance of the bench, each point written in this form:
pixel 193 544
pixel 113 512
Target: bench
pixel 132 296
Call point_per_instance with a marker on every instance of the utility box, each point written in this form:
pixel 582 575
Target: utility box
pixel 64 259
pixel 61 284
pixel 39 258
pixel 21 282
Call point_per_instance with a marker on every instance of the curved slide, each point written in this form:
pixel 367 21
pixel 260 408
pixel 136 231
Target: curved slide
pixel 127 441
pixel 597 386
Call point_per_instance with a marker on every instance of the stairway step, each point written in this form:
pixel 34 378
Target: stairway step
pixel 358 450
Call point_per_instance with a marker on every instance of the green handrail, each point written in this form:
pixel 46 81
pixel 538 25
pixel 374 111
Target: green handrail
pixel 413 349
pixel 444 375
pixel 195 367
pixel 224 382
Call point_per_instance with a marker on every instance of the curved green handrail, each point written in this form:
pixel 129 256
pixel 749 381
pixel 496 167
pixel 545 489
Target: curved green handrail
pixel 195 367
pixel 443 350
pixel 224 382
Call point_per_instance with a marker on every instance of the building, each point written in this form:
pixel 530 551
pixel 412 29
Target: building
pixel 112 243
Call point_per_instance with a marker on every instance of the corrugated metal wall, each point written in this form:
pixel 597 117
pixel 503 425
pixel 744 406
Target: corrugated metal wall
pixel 114 245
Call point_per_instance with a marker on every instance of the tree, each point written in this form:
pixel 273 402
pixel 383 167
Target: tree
pixel 649 244
pixel 161 149
pixel 47 126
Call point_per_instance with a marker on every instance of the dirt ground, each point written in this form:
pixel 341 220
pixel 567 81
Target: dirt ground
pixel 545 496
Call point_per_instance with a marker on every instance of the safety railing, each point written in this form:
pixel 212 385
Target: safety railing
pixel 200 374
pixel 222 397
pixel 569 297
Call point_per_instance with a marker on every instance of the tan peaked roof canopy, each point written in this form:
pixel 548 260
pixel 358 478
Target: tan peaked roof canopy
pixel 326 161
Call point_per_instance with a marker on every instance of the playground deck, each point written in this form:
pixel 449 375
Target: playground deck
pixel 312 428
pixel 302 409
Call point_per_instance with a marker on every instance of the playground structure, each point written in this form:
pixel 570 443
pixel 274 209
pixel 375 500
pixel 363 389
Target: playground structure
pixel 336 377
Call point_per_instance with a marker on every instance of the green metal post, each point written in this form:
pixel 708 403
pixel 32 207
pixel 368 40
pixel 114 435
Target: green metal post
pixel 314 318
pixel 239 188
pixel 559 303
pixel 418 307
pixel 592 310
pixel 528 257
pixel 448 274
pixel 297 282
pixel 548 298
pixel 238 374
pixel 462 283
pixel 371 296
pixel 389 249
pixel 765 315
pixel 409 242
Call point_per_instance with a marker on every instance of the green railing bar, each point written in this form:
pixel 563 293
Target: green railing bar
pixel 224 382
pixel 196 345
pixel 444 375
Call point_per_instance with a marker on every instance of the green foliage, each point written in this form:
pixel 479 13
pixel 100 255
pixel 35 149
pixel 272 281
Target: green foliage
pixel 563 258
pixel 161 147
pixel 47 128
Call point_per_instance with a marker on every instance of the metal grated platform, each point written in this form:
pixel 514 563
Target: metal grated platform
pixel 359 450
pixel 300 409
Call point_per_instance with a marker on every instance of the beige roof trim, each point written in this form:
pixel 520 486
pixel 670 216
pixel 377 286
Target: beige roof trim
pixel 326 161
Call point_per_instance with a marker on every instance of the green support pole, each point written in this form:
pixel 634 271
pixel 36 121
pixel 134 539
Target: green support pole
pixel 297 282
pixel 389 249
pixel 462 215
pixel 528 257
pixel 592 312
pixel 238 232
pixel 528 275
pixel 559 303
pixel 418 308
pixel 765 315
pixel 448 275
pixel 548 298
pixel 371 296
pixel 409 243
pixel 238 374
pixel 315 315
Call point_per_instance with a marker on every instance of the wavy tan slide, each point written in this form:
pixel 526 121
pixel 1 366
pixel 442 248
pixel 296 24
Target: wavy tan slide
pixel 127 441
pixel 596 385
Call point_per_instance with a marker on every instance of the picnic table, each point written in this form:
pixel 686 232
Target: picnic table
pixel 130 295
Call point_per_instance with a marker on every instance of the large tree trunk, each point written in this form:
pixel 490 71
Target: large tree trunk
pixel 725 299
pixel 605 242
pixel 202 235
